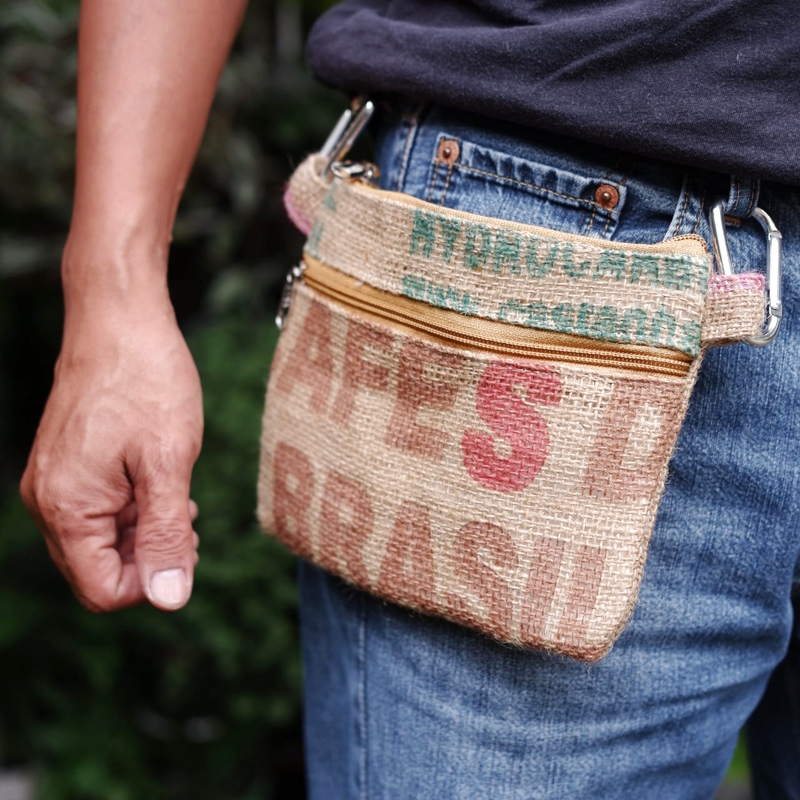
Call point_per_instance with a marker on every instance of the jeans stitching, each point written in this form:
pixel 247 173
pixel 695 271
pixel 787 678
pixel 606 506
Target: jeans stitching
pixel 434 172
pixel 447 181
pixel 362 692
pixel 446 184
pixel 594 210
pixel 687 191
pixel 529 185
pixel 752 198
pixel 619 186
pixel 429 196
pixel 410 138
pixel 702 209
pixel 590 223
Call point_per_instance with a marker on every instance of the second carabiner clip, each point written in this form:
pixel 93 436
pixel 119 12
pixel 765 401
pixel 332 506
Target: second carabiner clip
pixel 774 305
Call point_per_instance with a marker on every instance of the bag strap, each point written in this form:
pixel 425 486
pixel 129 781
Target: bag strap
pixel 364 227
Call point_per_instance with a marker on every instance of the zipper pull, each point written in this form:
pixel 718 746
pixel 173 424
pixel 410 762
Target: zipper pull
pixel 292 276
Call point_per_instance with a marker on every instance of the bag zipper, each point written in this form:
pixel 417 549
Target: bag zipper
pixel 453 329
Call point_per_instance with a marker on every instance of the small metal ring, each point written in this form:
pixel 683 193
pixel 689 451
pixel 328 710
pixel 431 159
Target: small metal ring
pixel 346 131
pixel 354 170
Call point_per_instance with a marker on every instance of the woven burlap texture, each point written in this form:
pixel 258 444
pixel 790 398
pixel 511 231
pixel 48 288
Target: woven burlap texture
pixel 647 294
pixel 514 497
pixel 734 308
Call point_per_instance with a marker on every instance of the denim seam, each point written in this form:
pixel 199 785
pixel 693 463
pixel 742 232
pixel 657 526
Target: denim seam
pixel 413 127
pixel 686 192
pixel 700 213
pixel 447 181
pixel 619 186
pixel 732 217
pixel 362 695
pixel 446 184
pixel 434 175
pixel 752 199
pixel 531 186
pixel 594 210
pixel 590 223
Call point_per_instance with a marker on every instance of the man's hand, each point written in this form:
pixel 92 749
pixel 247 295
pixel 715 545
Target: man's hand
pixel 108 477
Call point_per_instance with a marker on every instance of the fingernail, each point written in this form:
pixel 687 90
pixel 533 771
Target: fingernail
pixel 169 587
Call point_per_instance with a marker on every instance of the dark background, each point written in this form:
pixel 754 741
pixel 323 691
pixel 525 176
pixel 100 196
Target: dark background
pixel 204 703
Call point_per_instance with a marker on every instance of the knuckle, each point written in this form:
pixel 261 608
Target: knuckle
pixel 169 459
pixel 164 536
pixel 55 507
pixel 26 491
pixel 47 501
pixel 31 484
pixel 66 502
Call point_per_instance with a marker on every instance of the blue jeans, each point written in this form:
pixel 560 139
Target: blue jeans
pixel 398 705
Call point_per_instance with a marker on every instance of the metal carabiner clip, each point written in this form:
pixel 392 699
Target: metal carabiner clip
pixel 346 131
pixel 774 306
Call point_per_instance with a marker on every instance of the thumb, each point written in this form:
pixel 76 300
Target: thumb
pixel 164 549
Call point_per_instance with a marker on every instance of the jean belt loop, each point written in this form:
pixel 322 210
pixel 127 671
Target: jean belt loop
pixel 742 198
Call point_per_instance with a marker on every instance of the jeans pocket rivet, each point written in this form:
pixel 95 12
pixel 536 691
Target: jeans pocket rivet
pixel 606 196
pixel 448 151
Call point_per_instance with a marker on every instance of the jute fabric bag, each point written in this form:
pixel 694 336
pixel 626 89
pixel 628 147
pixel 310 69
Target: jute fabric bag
pixel 473 418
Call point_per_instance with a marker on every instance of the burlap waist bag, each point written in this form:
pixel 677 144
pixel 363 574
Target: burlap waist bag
pixel 473 418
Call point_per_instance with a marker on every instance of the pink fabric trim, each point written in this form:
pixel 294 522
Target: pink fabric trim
pixel 301 222
pixel 728 284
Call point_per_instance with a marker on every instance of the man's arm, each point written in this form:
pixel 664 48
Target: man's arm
pixel 108 476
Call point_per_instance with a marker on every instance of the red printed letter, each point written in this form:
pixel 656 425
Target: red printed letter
pixel 292 490
pixel 507 393
pixel 358 371
pixel 408 562
pixel 608 476
pixel 577 614
pixel 345 523
pixel 416 389
pixel 548 554
pixel 482 550
pixel 311 361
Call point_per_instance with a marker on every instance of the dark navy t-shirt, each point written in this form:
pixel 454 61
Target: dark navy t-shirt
pixel 708 83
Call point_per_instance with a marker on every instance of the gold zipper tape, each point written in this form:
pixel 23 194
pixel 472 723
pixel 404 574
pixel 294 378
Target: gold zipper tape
pixel 488 336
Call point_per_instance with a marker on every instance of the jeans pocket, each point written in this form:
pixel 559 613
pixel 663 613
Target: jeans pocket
pixel 472 177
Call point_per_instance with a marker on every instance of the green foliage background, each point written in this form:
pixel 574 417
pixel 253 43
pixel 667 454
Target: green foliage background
pixel 203 703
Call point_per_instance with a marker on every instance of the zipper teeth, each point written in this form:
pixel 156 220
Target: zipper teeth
pixel 452 328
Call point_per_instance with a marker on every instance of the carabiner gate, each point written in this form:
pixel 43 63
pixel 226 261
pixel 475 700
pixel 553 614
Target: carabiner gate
pixel 774 305
pixel 346 131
